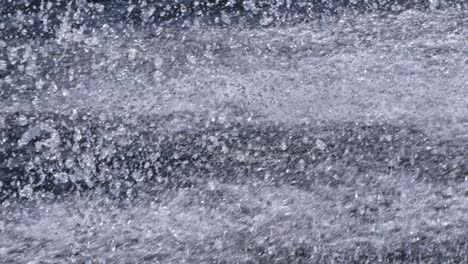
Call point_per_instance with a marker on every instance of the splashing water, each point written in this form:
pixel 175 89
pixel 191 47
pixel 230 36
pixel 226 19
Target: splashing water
pixel 233 131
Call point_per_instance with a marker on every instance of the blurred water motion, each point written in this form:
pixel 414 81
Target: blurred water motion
pixel 233 131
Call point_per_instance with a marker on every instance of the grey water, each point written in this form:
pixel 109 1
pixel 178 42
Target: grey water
pixel 213 131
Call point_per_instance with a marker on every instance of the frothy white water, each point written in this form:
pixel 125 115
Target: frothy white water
pixel 407 66
pixel 246 223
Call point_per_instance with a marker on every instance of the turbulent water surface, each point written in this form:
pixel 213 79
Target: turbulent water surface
pixel 233 131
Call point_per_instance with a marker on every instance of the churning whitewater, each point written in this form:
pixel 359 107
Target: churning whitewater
pixel 212 131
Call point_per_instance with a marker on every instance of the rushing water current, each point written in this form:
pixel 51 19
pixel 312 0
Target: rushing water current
pixel 240 131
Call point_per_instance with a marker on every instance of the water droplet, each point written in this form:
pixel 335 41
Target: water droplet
pixel 22 120
pixel 3 65
pixel 320 144
pixel 158 62
pixel 284 146
pixel 191 59
pixel 138 176
pixel 26 191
